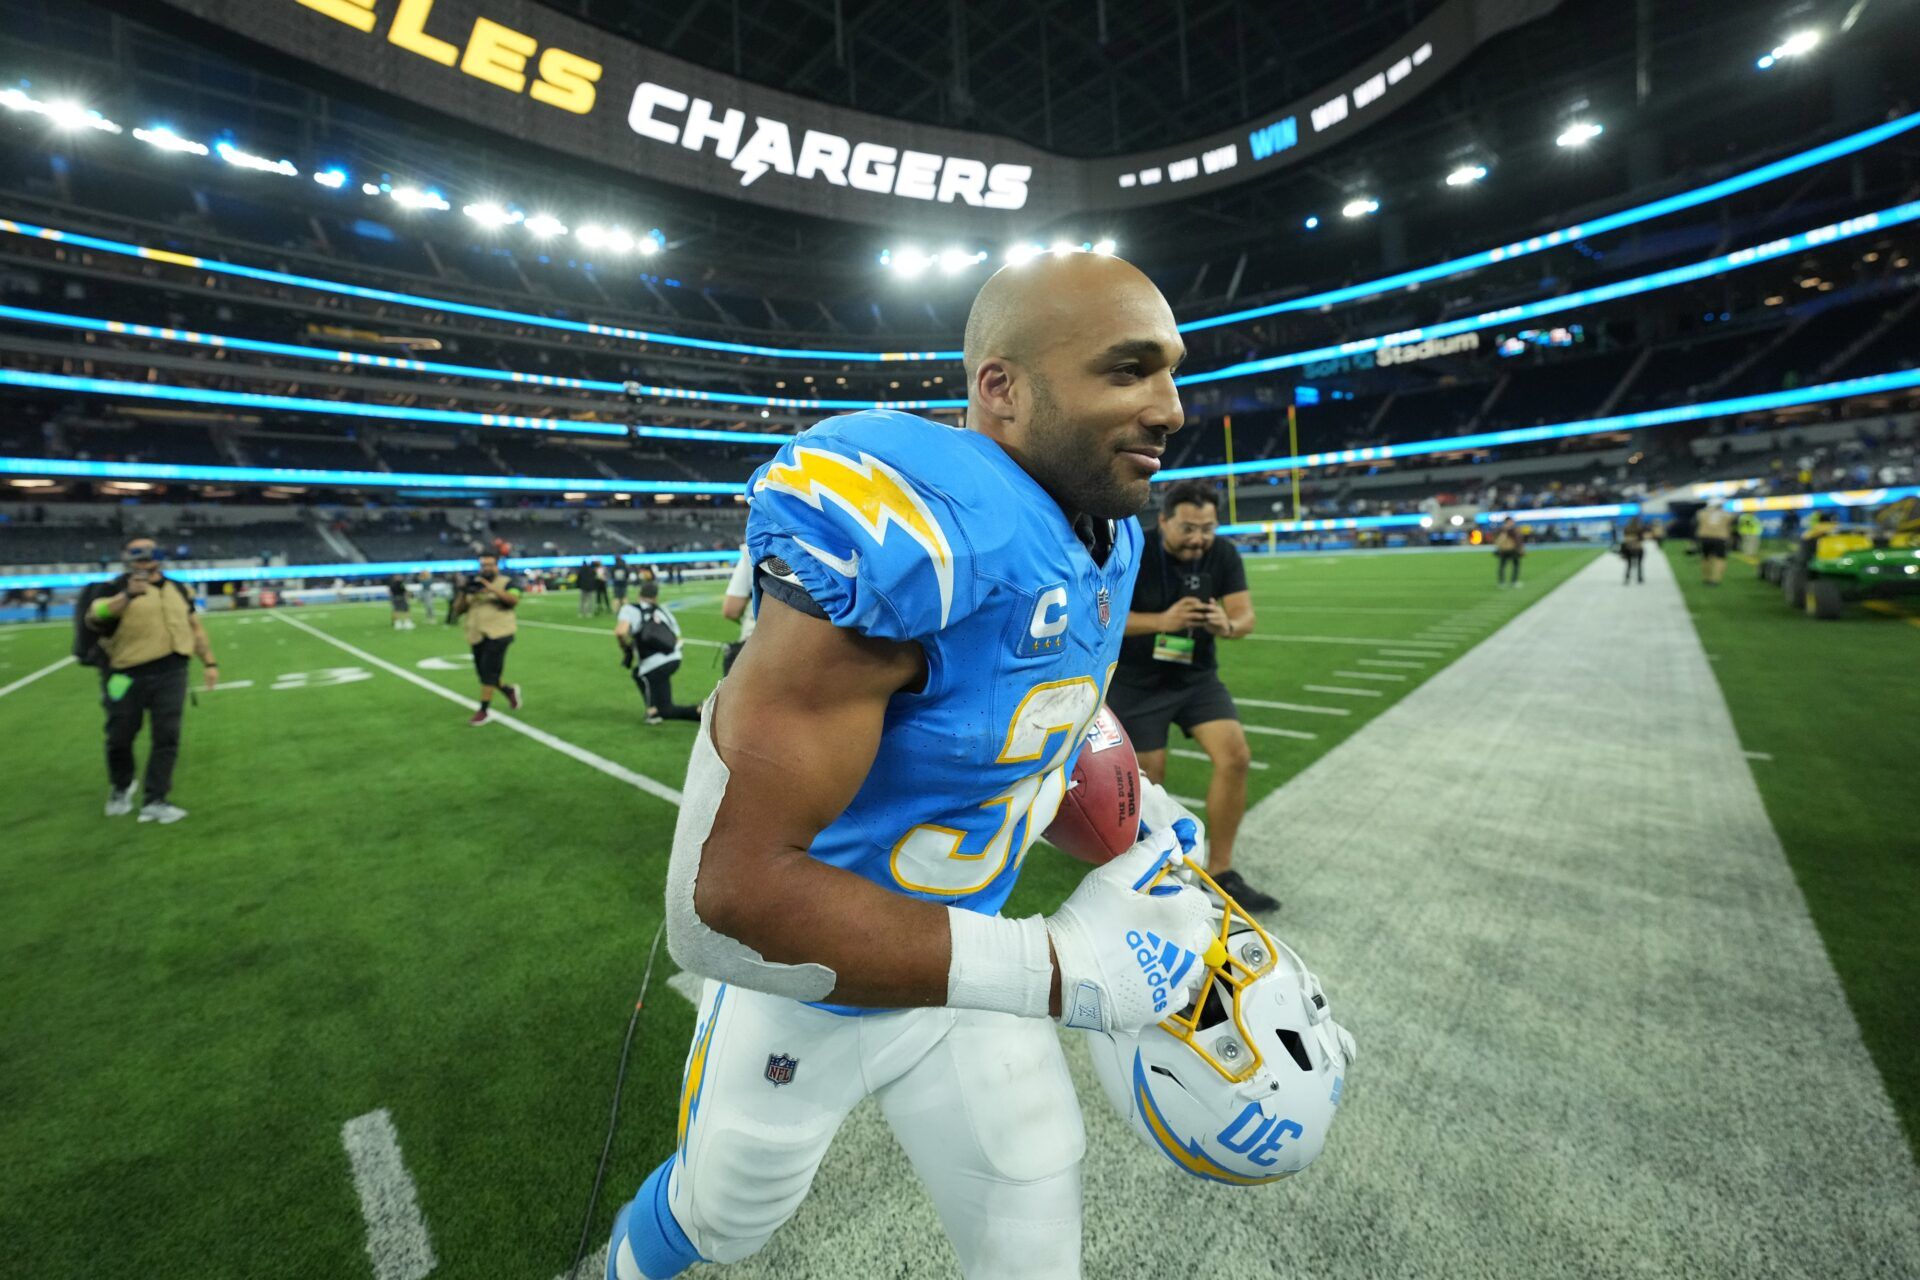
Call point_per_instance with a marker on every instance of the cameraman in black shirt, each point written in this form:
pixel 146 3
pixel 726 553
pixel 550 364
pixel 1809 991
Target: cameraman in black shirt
pixel 1192 592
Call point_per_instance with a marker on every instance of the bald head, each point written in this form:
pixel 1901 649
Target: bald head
pixel 1069 365
pixel 1023 311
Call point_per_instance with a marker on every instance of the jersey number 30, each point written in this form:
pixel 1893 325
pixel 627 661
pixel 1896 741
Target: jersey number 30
pixel 935 859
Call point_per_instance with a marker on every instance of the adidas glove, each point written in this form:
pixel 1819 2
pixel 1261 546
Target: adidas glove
pixel 1130 952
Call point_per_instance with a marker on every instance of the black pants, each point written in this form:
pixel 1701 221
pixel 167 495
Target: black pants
pixel 656 690
pixel 156 689
pixel 600 602
pixel 1636 565
pixel 490 660
pixel 1505 560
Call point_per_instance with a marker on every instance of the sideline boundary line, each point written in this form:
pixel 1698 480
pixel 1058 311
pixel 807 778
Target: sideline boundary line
pixel 639 781
pixel 26 680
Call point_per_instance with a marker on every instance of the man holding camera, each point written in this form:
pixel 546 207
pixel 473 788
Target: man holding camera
pixel 1191 593
pixel 649 639
pixel 486 604
pixel 139 629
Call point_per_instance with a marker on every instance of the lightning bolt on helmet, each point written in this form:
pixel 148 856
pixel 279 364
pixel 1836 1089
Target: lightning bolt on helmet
pixel 1241 1087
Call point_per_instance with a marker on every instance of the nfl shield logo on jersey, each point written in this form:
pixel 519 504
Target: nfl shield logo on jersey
pixel 1105 601
pixel 780 1068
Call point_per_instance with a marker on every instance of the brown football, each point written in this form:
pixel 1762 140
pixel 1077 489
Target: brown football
pixel 1100 817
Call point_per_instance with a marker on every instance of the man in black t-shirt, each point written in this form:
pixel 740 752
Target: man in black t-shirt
pixel 1191 594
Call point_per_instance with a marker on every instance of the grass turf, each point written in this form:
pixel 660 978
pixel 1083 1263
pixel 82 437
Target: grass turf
pixel 373 905
pixel 1835 706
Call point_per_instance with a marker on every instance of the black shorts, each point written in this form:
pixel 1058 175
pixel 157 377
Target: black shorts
pixel 1185 698
pixel 1713 548
pixel 490 659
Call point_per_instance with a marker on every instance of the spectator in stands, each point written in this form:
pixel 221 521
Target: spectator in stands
pixel 587 578
pixel 1633 549
pixel 1191 593
pixel 1712 527
pixel 402 606
pixel 649 639
pixel 139 629
pixel 486 603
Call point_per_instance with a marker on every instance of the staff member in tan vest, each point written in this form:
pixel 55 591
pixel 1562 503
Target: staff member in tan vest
pixel 485 604
pixel 1509 544
pixel 1712 526
pixel 146 627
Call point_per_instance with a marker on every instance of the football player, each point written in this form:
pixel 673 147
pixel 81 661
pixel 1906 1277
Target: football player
pixel 940 611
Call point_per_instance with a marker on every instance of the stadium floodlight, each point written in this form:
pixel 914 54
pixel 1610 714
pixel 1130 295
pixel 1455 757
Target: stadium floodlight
pixel 332 179
pixel 260 164
pixel 619 240
pixel 1313 222
pixel 369 188
pixel 165 139
pixel 1060 249
pixel 1021 254
pixel 954 261
pixel 1105 247
pixel 1579 134
pixel 1796 45
pixel 652 242
pixel 1466 175
pixel 1426 522
pixel 910 263
pixel 1455 521
pixel 545 225
pixel 1359 207
pixel 488 214
pixel 415 198
pixel 71 115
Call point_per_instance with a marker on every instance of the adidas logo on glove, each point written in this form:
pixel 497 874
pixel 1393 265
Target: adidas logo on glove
pixel 1163 963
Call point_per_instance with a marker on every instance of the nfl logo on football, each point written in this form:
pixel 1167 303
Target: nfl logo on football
pixel 780 1068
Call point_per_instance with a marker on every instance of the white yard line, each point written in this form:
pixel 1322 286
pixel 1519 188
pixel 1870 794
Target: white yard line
pixel 26 680
pixel 1409 653
pixel 606 633
pixel 1336 688
pixel 397 1238
pixel 1291 706
pixel 1271 732
pixel 1757 755
pixel 1185 754
pixel 1369 644
pixel 640 781
pixel 1388 662
pixel 1368 675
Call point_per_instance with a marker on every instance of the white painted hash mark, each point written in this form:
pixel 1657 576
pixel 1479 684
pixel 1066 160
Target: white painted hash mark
pixel 26 680
pixel 1185 754
pixel 1336 688
pixel 397 1239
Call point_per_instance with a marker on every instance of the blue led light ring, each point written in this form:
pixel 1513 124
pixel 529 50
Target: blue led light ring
pixel 461 308
pixel 385 568
pixel 1871 384
pixel 184 473
pixel 1578 231
pixel 1738 259
pixel 58 319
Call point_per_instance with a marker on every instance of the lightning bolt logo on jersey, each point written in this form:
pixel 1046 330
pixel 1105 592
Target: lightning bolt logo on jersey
pixel 903 529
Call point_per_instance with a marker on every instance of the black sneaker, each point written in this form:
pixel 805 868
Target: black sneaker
pixel 1246 895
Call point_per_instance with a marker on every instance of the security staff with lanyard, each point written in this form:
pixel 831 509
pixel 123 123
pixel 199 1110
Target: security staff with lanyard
pixel 140 629
pixel 1191 593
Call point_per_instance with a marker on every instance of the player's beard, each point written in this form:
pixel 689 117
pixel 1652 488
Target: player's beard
pixel 1061 455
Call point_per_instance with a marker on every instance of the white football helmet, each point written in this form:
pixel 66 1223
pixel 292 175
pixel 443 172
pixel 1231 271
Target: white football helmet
pixel 1242 1086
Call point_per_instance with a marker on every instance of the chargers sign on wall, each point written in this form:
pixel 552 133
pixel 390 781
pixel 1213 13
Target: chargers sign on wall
pixel 525 70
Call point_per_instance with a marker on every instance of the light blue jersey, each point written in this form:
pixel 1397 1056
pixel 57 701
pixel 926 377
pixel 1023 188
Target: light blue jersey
pixel 904 529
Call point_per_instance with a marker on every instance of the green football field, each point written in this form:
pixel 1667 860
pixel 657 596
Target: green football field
pixel 375 908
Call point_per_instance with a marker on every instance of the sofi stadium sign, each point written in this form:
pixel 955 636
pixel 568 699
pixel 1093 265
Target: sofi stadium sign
pixel 522 69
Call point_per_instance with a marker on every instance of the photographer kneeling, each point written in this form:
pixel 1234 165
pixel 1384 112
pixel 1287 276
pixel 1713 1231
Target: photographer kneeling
pixel 486 604
pixel 649 639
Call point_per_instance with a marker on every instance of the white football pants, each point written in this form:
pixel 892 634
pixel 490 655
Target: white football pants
pixel 980 1101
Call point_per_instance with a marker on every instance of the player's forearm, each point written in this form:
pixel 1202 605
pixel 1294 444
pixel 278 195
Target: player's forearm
pixel 1145 624
pixel 886 951
pixel 1241 620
